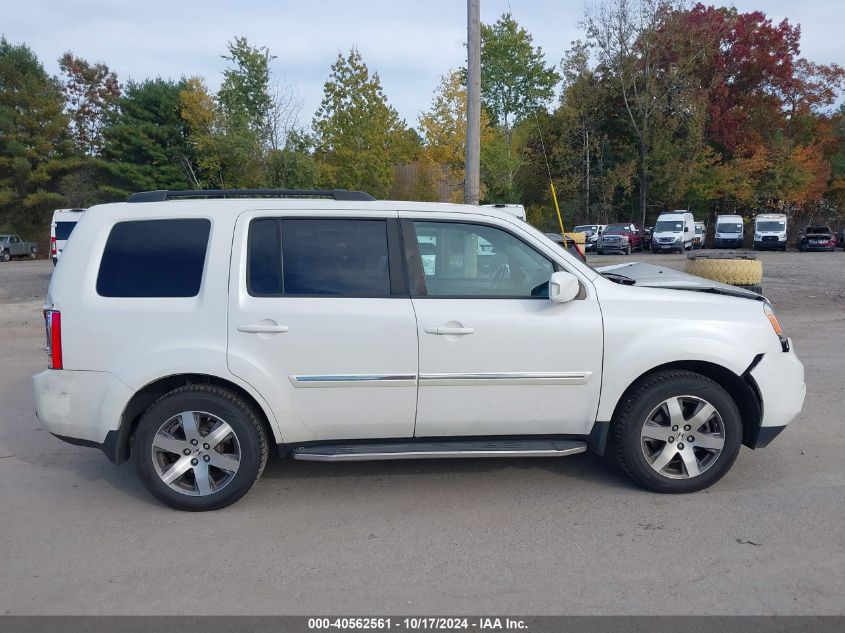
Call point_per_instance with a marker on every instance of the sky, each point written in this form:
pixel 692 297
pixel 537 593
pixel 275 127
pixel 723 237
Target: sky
pixel 409 43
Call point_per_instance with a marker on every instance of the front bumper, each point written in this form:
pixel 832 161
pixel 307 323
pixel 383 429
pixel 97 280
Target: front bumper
pixel 668 246
pixel 615 246
pixel 773 245
pixel 779 377
pixel 725 242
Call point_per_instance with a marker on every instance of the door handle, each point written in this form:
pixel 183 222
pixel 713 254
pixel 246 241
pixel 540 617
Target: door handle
pixel 263 329
pixel 442 330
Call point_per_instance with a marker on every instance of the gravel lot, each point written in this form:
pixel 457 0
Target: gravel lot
pixel 541 536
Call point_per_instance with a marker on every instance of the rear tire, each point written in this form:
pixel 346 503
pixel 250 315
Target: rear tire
pixel 650 431
pixel 200 448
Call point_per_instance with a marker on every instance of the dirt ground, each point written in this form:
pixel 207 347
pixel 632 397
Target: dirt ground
pixel 544 536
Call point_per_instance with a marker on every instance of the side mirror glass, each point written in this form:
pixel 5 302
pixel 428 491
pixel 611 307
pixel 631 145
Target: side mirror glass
pixel 563 287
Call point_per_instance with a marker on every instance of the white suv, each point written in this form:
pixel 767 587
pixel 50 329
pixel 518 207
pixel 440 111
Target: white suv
pixel 193 330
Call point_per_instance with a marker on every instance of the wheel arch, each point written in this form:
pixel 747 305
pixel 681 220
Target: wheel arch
pixel 742 390
pixel 121 450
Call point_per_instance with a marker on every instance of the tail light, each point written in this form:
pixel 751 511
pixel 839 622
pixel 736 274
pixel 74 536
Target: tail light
pixel 53 323
pixel 53 249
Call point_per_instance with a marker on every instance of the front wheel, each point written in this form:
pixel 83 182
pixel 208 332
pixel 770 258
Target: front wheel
pixel 676 432
pixel 5 256
pixel 628 249
pixel 200 448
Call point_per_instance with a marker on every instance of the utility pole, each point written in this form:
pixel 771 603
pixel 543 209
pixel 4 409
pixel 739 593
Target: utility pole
pixel 472 172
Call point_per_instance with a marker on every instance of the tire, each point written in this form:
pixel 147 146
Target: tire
pixel 237 463
pixel 33 254
pixel 5 256
pixel 643 415
pixel 737 272
pixel 628 249
pixel 599 251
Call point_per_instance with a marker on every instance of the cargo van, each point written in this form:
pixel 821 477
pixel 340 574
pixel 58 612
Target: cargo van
pixel 673 232
pixel 729 231
pixel 64 221
pixel 770 231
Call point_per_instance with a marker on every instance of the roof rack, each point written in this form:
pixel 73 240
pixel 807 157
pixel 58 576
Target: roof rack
pixel 335 194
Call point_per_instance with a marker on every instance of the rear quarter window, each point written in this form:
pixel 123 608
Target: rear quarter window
pixel 64 229
pixel 154 258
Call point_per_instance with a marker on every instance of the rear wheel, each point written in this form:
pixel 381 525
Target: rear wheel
pixel 200 448
pixel 32 253
pixel 676 432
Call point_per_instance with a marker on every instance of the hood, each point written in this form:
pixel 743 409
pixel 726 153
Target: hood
pixel 652 276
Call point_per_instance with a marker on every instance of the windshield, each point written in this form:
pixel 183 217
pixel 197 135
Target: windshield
pixel 669 226
pixel 771 225
pixel 818 229
pixel 729 227
pixel 618 228
pixel 699 229
pixel 585 228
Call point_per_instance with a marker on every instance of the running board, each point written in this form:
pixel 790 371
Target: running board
pixel 438 450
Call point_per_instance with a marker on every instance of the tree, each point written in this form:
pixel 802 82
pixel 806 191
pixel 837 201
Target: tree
pixel 34 141
pixel 244 97
pixel 514 75
pixel 91 93
pixel 443 127
pixel 359 136
pixel 515 81
pixel 146 141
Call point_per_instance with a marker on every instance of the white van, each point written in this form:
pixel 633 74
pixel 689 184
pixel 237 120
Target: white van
pixel 730 231
pixel 770 231
pixel 195 331
pixel 673 232
pixel 514 209
pixel 64 221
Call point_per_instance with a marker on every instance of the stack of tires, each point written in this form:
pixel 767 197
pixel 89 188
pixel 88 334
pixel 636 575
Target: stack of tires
pixel 745 271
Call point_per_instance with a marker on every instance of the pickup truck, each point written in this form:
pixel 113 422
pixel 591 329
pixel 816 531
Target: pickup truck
pixel 13 246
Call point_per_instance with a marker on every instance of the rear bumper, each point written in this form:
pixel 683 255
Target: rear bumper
pixel 780 380
pixel 80 407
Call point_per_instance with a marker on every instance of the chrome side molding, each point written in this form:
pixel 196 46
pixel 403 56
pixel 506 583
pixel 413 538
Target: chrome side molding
pixel 508 378
pixel 354 380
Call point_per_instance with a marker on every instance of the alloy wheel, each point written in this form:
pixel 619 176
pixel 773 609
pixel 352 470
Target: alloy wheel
pixel 682 437
pixel 196 453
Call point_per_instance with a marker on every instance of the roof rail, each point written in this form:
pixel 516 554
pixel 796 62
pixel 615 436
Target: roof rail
pixel 335 194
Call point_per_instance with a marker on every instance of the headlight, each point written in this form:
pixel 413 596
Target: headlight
pixel 770 315
pixel 624 238
pixel 678 238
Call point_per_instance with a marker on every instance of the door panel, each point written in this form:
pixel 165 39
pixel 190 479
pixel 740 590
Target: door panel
pixel 502 362
pixel 331 366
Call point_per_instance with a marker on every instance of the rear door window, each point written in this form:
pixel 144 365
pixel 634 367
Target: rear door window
pixel 319 257
pixel 64 229
pixel 154 258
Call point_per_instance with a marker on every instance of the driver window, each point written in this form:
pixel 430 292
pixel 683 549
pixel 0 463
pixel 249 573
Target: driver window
pixel 474 260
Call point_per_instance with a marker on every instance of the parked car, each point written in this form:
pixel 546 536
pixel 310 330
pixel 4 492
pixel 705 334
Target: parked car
pixel 673 232
pixel 770 231
pixel 841 238
pixel 12 246
pixel 571 245
pixel 620 238
pixel 64 221
pixel 817 237
pixel 729 231
pixel 194 331
pixel 593 232
pixel 700 235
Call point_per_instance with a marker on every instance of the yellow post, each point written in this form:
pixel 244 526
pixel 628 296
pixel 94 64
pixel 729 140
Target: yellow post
pixel 559 216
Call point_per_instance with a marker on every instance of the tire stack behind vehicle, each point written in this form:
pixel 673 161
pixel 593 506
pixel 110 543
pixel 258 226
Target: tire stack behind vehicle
pixel 745 271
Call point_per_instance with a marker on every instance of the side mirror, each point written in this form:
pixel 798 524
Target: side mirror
pixel 563 287
pixel 686 229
